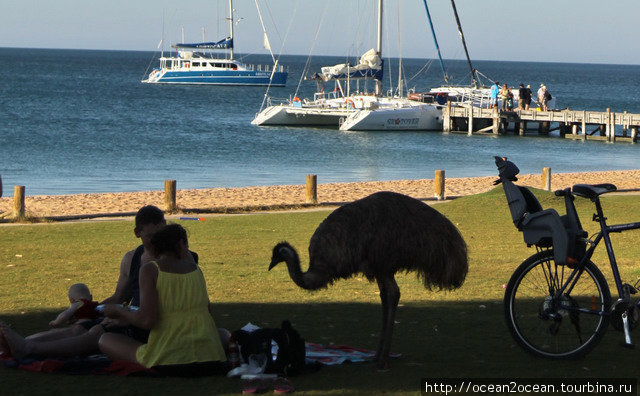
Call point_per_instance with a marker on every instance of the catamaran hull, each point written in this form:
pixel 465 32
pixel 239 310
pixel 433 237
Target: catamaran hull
pixel 414 118
pixel 294 116
pixel 236 77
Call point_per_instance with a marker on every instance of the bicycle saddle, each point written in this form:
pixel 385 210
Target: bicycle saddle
pixel 592 190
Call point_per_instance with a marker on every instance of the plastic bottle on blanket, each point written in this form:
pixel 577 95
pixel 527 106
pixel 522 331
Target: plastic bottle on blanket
pixel 234 353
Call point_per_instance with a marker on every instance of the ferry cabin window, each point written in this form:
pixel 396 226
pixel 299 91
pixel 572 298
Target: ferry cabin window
pixel 196 64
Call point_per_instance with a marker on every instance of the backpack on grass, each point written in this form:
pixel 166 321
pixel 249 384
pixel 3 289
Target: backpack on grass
pixel 290 357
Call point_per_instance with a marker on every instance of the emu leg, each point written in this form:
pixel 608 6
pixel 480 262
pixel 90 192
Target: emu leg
pixel 385 315
pixel 391 292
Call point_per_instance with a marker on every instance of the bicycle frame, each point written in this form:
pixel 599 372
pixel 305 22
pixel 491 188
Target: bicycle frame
pixel 605 230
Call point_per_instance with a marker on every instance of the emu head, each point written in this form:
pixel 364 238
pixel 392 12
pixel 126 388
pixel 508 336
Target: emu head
pixel 283 251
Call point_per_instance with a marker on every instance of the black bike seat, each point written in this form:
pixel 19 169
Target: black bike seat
pixel 593 190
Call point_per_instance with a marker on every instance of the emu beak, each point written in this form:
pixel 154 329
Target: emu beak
pixel 273 264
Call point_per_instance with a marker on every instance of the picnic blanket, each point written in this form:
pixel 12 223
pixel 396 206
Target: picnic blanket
pixel 338 354
pixel 94 364
pixel 102 365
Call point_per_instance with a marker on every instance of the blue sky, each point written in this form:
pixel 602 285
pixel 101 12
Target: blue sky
pixel 586 31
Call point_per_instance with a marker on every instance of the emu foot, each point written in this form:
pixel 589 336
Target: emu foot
pixel 382 366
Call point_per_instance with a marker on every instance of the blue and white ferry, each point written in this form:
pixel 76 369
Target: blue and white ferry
pixel 191 65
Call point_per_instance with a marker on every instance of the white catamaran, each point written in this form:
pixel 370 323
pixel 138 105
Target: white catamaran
pixel 347 111
pixel 192 66
pixel 329 108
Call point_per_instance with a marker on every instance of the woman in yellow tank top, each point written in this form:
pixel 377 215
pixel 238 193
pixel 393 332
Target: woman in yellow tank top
pixel 174 305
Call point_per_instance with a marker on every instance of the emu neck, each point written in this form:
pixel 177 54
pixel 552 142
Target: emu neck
pixel 309 280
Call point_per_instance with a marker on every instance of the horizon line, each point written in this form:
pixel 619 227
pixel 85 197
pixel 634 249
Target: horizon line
pixel 333 55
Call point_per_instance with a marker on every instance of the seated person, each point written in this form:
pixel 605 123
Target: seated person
pixel 174 307
pixel 75 320
pixel 148 220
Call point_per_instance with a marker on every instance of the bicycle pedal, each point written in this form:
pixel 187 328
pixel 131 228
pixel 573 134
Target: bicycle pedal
pixel 628 346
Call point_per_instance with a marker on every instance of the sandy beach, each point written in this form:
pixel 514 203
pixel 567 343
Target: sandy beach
pixel 268 197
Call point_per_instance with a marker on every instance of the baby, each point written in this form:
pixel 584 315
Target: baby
pixel 75 320
pixel 81 310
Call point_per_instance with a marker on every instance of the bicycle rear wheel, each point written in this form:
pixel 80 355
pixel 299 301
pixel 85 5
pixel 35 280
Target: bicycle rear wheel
pixel 556 327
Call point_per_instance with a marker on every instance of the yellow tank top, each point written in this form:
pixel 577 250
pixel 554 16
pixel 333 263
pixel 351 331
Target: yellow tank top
pixel 185 331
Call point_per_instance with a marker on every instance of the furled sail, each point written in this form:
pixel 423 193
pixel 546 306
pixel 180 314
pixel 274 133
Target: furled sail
pixel 370 66
pixel 226 43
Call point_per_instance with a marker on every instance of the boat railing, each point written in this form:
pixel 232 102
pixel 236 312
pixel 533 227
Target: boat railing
pixel 326 95
pixel 474 98
pixel 277 101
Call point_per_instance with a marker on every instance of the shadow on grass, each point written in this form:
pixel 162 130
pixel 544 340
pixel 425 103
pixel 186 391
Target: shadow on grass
pixel 436 339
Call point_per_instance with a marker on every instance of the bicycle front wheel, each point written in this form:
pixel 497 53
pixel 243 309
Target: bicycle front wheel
pixel 553 326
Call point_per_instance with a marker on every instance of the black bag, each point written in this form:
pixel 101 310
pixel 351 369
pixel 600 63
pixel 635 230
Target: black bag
pixel 290 359
pixel 547 96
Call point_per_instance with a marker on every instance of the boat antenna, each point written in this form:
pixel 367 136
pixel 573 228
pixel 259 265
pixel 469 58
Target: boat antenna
pixel 474 82
pixel 435 40
pixel 162 38
pixel 379 45
pixel 231 26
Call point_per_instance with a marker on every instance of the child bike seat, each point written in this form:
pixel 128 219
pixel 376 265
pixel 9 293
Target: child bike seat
pixel 543 228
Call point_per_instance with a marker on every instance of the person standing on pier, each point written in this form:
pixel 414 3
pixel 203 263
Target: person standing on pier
pixel 527 98
pixel 523 94
pixel 504 94
pixel 495 88
pixel 542 97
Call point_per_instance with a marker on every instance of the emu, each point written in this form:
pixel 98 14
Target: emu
pixel 378 236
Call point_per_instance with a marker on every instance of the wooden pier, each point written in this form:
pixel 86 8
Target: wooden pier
pixel 572 124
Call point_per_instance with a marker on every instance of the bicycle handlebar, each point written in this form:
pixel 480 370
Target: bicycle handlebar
pixel 563 192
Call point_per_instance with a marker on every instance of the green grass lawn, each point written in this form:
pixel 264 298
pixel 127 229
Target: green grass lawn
pixel 439 334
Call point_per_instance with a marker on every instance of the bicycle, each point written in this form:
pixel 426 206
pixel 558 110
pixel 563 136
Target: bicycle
pixel 557 302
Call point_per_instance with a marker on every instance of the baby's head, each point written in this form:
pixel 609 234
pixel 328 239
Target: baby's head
pixel 79 291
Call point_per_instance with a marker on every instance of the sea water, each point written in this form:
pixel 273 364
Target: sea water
pixel 80 121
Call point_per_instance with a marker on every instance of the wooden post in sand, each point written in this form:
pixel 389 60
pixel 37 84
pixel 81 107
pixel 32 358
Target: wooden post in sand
pixel 546 178
pixel 312 189
pixel 18 201
pixel 438 185
pixel 170 195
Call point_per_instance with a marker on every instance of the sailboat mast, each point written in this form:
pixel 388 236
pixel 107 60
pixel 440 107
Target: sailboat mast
pixel 474 82
pixel 435 40
pixel 379 45
pixel 231 26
